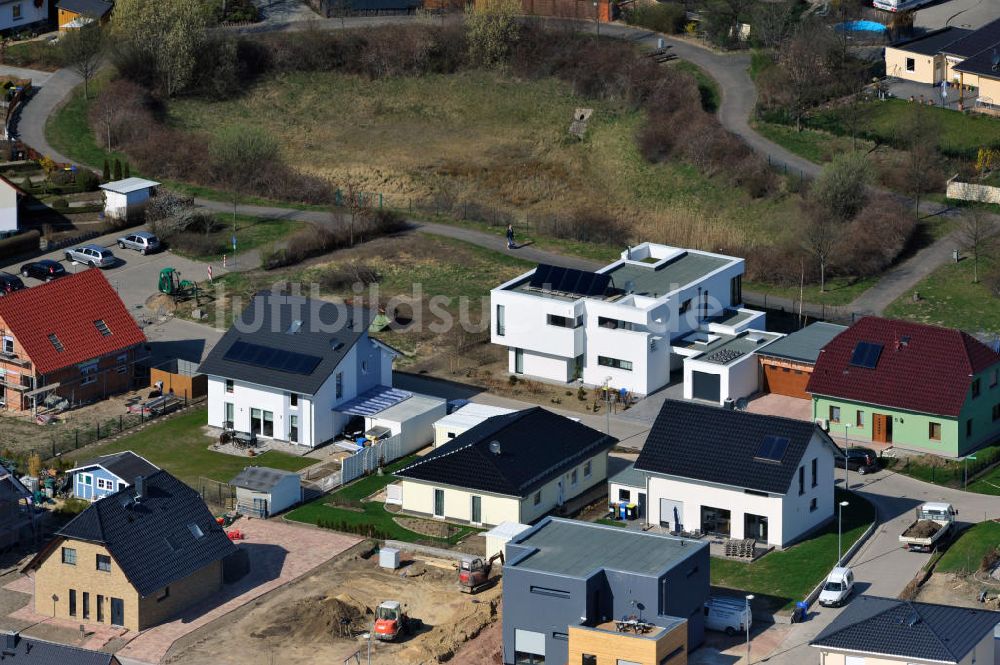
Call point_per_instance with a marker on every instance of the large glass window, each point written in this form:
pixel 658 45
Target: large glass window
pixel 293 429
pixel 268 423
pixel 501 326
pixel 715 520
pixel 616 363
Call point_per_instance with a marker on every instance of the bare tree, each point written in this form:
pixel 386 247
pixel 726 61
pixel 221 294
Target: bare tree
pixel 819 238
pixel 771 23
pixel 919 135
pixel 804 69
pixel 341 9
pixel 358 205
pixel 241 156
pixel 976 233
pixel 81 50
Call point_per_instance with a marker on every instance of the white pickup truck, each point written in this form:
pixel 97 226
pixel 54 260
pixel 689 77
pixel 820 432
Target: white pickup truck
pixel 932 526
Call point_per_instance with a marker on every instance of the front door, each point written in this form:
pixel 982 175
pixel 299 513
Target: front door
pixel 229 415
pixel 881 428
pixel 117 612
pixel 256 421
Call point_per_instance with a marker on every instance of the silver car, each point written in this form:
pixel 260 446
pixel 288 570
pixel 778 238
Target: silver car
pixel 91 255
pixel 141 241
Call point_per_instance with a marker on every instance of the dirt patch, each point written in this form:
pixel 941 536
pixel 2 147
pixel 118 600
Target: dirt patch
pixel 952 589
pixel 426 527
pixel 161 304
pixel 922 529
pixel 315 618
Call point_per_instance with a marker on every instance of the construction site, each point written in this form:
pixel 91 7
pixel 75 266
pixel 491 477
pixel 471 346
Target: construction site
pixel 353 610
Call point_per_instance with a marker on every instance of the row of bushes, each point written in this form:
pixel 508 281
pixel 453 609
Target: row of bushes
pixel 366 530
pixel 316 240
pixel 20 243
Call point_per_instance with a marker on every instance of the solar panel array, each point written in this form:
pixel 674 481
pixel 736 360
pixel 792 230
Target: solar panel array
pixel 866 354
pixel 569 280
pixel 270 358
pixel 772 448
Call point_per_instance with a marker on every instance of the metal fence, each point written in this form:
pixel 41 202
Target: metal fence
pixel 370 458
pixel 219 497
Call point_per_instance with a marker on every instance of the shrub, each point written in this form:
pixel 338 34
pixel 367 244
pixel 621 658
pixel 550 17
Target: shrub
pixel 60 203
pixel 87 181
pixel 71 507
pixel 661 17
pixel 587 225
pixel 875 237
pixel 343 277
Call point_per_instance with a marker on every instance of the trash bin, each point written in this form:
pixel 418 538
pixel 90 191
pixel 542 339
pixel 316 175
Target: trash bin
pixel 631 511
pixel 800 612
pixel 623 511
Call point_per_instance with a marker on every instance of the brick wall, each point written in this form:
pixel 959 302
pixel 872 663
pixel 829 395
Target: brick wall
pixel 182 594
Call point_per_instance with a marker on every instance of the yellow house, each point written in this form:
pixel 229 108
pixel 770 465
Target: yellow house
pixel 888 631
pixel 984 69
pixel 515 467
pixel 132 559
pixel 921 60
pixel 74 14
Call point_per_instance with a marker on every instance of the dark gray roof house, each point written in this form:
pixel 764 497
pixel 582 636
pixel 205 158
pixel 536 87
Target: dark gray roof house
pixel 22 650
pixel 287 342
pixel 95 9
pixel 803 345
pixel 910 631
pixel 932 43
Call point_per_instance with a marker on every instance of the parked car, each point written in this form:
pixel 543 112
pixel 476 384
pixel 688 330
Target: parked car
pixel 45 270
pixel 730 615
pixel 862 460
pixel 838 587
pixel 9 283
pixel 91 255
pixel 143 242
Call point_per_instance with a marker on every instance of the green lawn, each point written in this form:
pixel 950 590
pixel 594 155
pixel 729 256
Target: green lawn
pixel 951 473
pixel 816 146
pixel 251 233
pixel 948 297
pixel 354 511
pixel 68 131
pixel 780 579
pixel 179 446
pixel 965 554
pixel 839 290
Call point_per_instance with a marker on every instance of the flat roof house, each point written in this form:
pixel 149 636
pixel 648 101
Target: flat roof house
pixel 910 385
pixel 618 325
pixel 724 368
pixel 567 584
pixel 288 364
pixel 737 474
pixel 133 559
pixel 788 363
pixel 86 352
pixel 104 475
pixel 511 468
pixel 888 630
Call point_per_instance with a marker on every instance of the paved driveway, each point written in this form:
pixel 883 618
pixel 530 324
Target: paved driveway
pixel 959 13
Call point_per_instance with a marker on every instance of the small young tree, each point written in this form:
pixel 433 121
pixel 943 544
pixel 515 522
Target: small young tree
pixel 81 50
pixel 819 238
pixel 241 156
pixel 919 134
pixel 492 29
pixel 118 169
pixel 106 173
pixel 975 232
pixel 341 9
pixel 359 206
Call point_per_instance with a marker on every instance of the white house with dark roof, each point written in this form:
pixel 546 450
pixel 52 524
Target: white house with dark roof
pixel 618 325
pixel 737 474
pixel 511 468
pixel 287 366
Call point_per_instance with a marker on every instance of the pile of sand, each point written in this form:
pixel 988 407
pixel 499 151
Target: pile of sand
pixel 161 304
pixel 315 618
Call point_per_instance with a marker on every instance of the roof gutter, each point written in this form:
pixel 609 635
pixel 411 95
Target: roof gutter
pixel 879 653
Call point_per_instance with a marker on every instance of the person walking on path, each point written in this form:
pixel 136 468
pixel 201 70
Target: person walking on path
pixel 510 236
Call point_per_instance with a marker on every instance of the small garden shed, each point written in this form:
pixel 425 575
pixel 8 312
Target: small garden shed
pixel 262 491
pixel 123 199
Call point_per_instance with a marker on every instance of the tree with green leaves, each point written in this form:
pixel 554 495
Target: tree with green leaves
pixel 126 171
pixel 118 169
pixel 106 173
pixel 161 40
pixel 82 50
pixel 241 156
pixel 492 30
pixel 841 188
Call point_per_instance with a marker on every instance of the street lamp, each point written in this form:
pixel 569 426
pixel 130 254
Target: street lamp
pixel 749 597
pixel 847 444
pixel 965 485
pixel 840 529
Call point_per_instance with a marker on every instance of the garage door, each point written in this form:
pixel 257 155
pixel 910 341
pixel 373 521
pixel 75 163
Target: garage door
pixel 705 386
pixel 786 381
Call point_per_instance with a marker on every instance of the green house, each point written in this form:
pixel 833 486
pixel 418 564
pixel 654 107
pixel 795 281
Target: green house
pixel 908 385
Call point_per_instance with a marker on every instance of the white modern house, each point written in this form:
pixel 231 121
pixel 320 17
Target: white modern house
pixel 617 325
pixel 736 474
pixel 723 367
pixel 288 363
pixel 9 197
pixel 126 198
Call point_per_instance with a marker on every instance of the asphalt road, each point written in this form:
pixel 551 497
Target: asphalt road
pixel 958 13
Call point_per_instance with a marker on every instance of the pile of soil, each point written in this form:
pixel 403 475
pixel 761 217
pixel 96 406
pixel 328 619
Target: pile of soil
pixel 161 303
pixel 426 527
pixel 923 529
pixel 314 618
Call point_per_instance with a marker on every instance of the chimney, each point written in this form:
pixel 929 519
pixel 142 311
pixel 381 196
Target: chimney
pixel 10 640
pixel 140 488
pixel 495 447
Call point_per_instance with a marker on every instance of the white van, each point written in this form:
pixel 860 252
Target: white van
pixel 730 615
pixel 838 587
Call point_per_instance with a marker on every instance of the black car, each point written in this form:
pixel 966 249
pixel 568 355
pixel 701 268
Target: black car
pixel 45 270
pixel 9 283
pixel 862 460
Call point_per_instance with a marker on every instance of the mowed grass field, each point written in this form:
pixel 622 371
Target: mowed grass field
pixel 493 141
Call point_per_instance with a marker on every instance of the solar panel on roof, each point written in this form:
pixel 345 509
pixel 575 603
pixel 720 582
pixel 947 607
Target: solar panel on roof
pixel 772 448
pixel 569 280
pixel 866 354
pixel 270 358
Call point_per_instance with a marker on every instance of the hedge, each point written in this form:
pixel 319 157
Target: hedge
pixel 20 243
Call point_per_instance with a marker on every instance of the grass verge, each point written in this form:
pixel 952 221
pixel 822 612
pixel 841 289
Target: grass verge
pixel 949 297
pixel 780 579
pixel 179 445
pixel 966 553
pixel 839 290
pixel 346 506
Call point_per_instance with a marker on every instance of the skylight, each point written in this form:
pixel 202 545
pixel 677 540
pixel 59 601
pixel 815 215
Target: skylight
pixel 102 328
pixel 56 343
pixel 772 448
pixel 196 531
pixel 295 327
pixel 172 542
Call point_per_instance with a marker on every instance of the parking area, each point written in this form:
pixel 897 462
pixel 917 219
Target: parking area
pixel 959 13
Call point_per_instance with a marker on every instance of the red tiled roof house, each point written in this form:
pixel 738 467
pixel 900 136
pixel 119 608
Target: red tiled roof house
pixel 910 385
pixel 72 337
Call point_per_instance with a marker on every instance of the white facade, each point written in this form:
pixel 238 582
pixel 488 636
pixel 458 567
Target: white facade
pixel 789 516
pixel 8 192
pixel 22 13
pixel 124 198
pixel 463 419
pixel 313 416
pixel 286 493
pixel 740 377
pixel 623 339
pixel 412 419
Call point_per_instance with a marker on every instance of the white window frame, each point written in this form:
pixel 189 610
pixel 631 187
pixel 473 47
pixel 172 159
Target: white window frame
pixel 8 345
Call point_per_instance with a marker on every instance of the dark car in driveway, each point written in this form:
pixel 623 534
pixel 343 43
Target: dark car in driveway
pixel 9 283
pixel 45 270
pixel 862 460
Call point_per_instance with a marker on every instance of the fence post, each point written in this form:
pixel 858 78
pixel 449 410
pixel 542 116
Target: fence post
pixel 76 437
pixel 121 423
pixel 98 430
